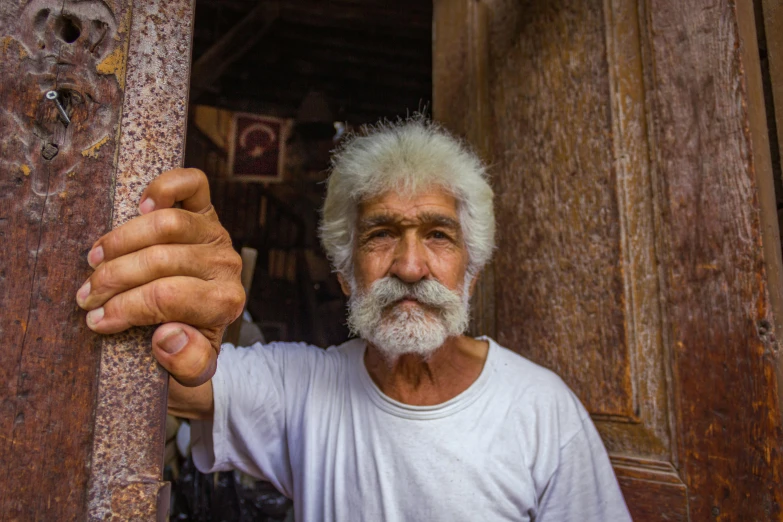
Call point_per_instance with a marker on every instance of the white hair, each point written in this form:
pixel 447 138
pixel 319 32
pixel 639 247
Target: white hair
pixel 408 156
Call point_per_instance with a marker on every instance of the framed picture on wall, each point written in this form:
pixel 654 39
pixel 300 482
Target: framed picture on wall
pixel 257 147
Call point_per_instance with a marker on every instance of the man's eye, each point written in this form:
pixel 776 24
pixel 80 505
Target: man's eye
pixel 380 234
pixel 437 234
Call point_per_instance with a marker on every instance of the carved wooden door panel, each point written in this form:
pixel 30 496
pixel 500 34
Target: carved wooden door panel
pixel 81 416
pixel 628 152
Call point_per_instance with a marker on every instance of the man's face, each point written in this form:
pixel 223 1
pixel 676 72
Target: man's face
pixel 410 262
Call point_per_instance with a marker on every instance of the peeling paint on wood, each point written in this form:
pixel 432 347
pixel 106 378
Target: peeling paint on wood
pixel 92 151
pixel 48 219
pixel 114 64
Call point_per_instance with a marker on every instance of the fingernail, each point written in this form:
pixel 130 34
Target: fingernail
pixel 83 293
pixel 95 257
pixel 147 206
pixel 174 341
pixel 94 317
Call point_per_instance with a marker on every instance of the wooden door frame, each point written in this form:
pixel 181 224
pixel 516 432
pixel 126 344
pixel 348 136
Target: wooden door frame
pixel 761 124
pixel 84 415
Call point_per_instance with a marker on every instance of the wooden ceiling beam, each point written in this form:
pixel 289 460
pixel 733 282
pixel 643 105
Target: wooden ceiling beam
pixel 420 71
pixel 392 20
pixel 232 46
pixel 400 50
pixel 355 12
pixel 345 100
pixel 354 113
pixel 336 91
pixel 335 81
pixel 313 63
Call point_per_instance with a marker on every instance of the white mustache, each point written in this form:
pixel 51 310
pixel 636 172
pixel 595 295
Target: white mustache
pixel 430 292
pixel 408 333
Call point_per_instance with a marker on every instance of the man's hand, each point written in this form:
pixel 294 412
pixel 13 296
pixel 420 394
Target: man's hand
pixel 171 266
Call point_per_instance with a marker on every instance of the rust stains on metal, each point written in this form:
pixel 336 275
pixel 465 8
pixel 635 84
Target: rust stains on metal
pixel 130 416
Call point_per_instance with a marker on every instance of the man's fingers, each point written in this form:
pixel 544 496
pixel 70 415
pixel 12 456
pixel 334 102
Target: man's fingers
pixel 163 227
pixel 187 186
pixel 148 264
pixel 185 352
pixel 186 299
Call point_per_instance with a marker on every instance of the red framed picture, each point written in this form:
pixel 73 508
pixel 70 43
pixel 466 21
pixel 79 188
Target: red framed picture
pixel 257 151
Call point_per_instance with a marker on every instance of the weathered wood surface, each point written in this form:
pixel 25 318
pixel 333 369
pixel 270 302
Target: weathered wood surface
pixel 630 247
pixel 66 415
pixel 563 284
pixel 580 290
pixel 768 17
pixel 52 211
pixel 720 325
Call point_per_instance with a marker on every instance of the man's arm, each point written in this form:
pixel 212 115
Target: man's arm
pixel 191 402
pixel 583 488
pixel 175 267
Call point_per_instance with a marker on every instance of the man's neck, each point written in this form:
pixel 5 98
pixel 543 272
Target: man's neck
pixel 411 379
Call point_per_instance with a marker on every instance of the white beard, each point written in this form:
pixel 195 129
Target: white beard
pixel 413 328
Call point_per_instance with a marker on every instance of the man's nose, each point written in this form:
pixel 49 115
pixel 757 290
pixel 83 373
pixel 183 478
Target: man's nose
pixel 410 260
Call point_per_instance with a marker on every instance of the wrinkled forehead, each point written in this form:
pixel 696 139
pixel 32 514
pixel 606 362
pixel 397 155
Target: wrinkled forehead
pixel 432 202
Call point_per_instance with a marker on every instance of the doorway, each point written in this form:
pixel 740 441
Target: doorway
pixel 274 87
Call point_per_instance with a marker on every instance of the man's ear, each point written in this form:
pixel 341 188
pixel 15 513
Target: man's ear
pixel 344 285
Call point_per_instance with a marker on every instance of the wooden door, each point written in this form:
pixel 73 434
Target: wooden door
pixel 81 416
pixel 638 253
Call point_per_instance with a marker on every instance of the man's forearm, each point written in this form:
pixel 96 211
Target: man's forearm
pixel 191 403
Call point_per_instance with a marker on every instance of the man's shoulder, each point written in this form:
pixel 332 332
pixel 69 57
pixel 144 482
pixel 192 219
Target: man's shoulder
pixel 511 365
pixel 532 388
pixel 296 350
pixel 283 356
pixel 294 365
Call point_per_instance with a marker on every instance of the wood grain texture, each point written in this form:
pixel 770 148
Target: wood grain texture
pixel 715 285
pixel 652 490
pixel 52 210
pixel 648 431
pixel 641 124
pixel 768 69
pixel 561 301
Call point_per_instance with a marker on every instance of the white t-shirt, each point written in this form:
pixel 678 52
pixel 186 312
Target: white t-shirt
pixel 516 445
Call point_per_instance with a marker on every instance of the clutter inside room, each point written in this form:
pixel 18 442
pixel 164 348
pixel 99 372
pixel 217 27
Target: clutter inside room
pixel 274 88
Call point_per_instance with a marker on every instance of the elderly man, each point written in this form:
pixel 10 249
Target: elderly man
pixel 412 420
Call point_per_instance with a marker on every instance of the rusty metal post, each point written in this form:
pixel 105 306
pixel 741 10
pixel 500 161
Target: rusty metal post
pixel 127 456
